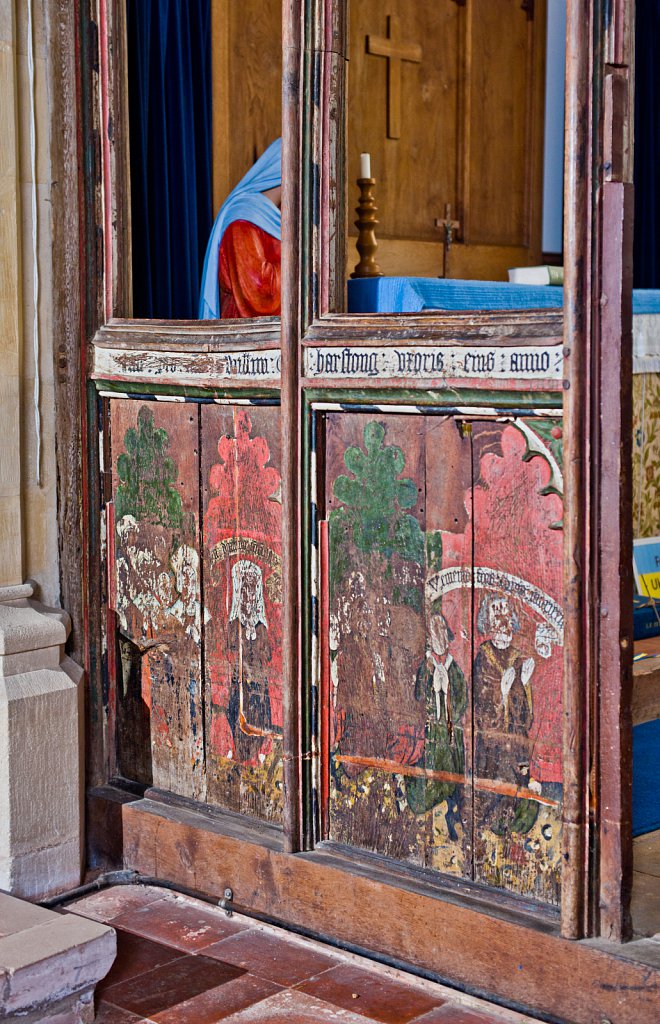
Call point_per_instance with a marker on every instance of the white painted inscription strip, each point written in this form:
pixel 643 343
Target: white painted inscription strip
pixel 428 362
pixel 256 365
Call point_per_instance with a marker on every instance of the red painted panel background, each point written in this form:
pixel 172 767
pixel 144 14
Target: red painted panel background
pixel 242 571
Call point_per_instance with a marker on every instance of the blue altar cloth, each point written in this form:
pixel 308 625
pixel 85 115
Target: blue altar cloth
pixel 414 294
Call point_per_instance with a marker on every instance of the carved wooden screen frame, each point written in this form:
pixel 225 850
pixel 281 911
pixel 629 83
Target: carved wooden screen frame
pixel 597 889
pixel 597 872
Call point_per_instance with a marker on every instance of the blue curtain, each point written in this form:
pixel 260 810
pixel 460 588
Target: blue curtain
pixel 646 267
pixel 169 83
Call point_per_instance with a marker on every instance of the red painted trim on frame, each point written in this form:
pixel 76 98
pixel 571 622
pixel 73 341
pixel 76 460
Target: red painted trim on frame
pixel 324 695
pixel 107 166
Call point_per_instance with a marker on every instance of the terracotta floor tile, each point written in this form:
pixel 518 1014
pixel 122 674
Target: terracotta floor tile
pixel 457 1015
pixel 265 954
pixel 136 955
pixel 294 1007
pixel 219 1003
pixel 179 923
pixel 173 983
pixel 371 993
pixel 119 899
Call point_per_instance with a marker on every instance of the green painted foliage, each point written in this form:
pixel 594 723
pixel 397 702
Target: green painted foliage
pixel 147 474
pixel 375 498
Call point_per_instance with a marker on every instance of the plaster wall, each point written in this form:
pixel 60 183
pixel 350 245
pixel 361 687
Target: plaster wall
pixel 28 510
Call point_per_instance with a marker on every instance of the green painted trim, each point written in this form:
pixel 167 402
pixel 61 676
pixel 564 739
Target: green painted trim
pixel 309 826
pixel 138 388
pixel 437 399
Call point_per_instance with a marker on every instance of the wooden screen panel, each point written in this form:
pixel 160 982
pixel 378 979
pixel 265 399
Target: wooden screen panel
pixel 397 748
pixel 242 551
pixel 445 741
pixel 155 488
pixel 448 716
pixel 518 662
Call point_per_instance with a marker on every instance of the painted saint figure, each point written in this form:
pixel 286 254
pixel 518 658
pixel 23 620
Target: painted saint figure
pixel 241 276
pixel 503 715
pixel 441 684
pixel 249 711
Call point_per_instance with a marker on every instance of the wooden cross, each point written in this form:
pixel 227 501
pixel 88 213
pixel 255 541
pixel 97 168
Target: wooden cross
pixel 395 51
pixel 448 227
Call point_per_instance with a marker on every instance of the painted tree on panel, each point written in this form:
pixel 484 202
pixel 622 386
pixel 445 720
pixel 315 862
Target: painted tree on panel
pixel 158 596
pixel 148 475
pixel 376 558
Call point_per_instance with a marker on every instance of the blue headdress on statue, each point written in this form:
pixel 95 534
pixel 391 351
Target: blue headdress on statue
pixel 246 202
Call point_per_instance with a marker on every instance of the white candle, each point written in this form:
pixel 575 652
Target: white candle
pixel 365 165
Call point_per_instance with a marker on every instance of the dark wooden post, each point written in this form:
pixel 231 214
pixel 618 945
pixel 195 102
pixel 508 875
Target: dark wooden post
pixel 598 524
pixel 291 421
pixel 613 334
pixel 577 403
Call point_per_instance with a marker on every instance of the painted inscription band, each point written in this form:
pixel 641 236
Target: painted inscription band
pixel 426 362
pixel 191 366
pixel 484 578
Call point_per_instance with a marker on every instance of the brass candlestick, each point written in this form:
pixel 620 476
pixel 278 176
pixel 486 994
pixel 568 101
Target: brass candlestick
pixel 366 222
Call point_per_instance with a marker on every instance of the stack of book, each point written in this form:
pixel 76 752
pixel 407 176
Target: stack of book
pixel 646 603
pixel 646 617
pixel 537 275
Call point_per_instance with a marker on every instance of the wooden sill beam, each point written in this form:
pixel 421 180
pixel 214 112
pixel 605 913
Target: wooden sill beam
pixel 525 964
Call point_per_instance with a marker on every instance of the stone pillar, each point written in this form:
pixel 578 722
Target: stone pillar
pixel 11 315
pixel 41 748
pixel 41 771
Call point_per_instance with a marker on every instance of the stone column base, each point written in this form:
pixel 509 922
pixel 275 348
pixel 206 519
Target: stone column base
pixel 41 777
pixel 50 964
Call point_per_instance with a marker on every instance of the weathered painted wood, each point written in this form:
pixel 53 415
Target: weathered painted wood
pixel 375 501
pixel 518 644
pixel 180 368
pixel 242 551
pixel 448 693
pixel 487 521
pixel 158 593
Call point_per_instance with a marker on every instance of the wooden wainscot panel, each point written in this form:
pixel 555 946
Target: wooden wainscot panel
pixel 445 636
pixel 243 600
pixel 506 956
pixel 375 506
pixel 518 668
pixel 399 698
pixel 156 572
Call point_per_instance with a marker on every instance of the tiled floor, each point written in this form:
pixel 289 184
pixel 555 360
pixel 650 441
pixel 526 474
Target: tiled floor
pixel 181 961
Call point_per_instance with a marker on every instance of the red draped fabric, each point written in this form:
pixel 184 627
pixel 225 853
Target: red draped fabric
pixel 249 272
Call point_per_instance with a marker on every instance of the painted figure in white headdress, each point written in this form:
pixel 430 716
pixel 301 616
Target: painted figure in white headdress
pixel 247 603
